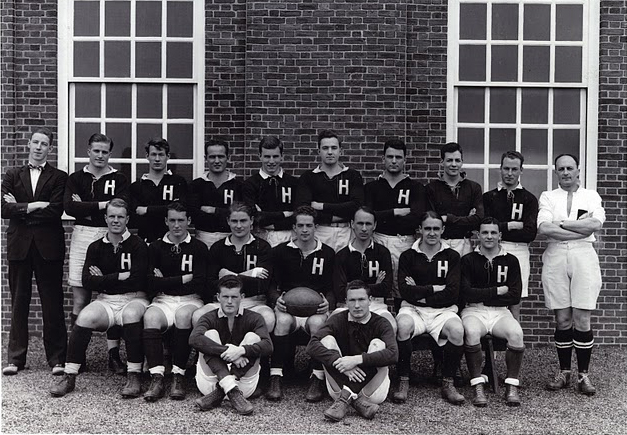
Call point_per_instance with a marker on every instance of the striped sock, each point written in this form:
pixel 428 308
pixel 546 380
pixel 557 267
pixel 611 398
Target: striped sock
pixel 583 342
pixel 564 345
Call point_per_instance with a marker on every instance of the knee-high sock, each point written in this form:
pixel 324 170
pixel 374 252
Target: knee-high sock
pixel 403 367
pixel 451 356
pixel 474 358
pixel 513 360
pixel 564 345
pixel 583 342
pixel 152 347
pixel 180 347
pixel 79 340
pixel 133 338
pixel 281 350
pixel 114 333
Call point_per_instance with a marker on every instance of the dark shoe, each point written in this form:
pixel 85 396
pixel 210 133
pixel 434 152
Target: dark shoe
pixel 365 407
pixel 133 386
pixel 177 390
pixel 11 370
pixel 480 400
pixel 561 380
pixel 338 410
pixel 315 393
pixel 58 370
pixel 400 395
pixel 156 389
pixel 211 400
pixel 512 398
pixel 64 386
pixel 584 384
pixel 275 391
pixel 450 393
pixel 115 363
pixel 239 402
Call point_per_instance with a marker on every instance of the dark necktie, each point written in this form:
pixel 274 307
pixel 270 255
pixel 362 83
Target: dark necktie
pixel 38 167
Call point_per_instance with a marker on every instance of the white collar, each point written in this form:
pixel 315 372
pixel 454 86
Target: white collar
pixel 362 321
pixel 229 178
pixel 227 240
pixel 265 175
pixel 110 170
pixel 240 311
pixel 382 177
pixel 145 176
pixel 416 246
pixel 292 244
pixel 166 238
pixel 125 236
pixel 318 168
pixel 501 186
pixel 502 251
pixel 352 249
pixel 43 165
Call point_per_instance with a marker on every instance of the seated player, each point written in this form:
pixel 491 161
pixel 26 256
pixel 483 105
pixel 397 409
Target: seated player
pixel 177 275
pixel 303 262
pixel 230 340
pixel 491 282
pixel 116 267
pixel 428 279
pixel 366 260
pixel 355 347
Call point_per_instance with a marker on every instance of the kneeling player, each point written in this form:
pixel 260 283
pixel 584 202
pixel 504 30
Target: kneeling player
pixel 355 347
pixel 177 274
pixel 230 341
pixel 115 266
pixel 491 282
pixel 428 279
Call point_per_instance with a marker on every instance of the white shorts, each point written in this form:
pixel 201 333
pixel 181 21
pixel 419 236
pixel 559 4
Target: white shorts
pixel 377 306
pixel 248 303
pixel 462 246
pixel 520 251
pixel 169 304
pixel 207 381
pixel 114 305
pixel 396 245
pixel 489 316
pixel 337 237
pixel 571 276
pixel 428 319
pixel 209 238
pixel 82 237
pixel 275 237
pixel 377 397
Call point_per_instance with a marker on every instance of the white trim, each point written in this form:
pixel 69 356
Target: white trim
pixel 199 52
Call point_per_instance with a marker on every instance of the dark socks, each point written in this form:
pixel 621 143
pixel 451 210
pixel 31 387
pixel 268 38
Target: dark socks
pixel 281 348
pixel 451 356
pixel 513 360
pixel 564 345
pixel 133 338
pixel 583 342
pixel 403 367
pixel 153 347
pixel 180 347
pixel 114 333
pixel 79 340
pixel 474 358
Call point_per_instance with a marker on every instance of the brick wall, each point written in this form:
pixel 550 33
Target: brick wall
pixel 369 69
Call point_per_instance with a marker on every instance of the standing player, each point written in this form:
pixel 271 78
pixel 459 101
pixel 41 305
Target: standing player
pixel 151 194
pixel 272 192
pixel 32 198
pixel 517 211
pixel 490 283
pixel 230 340
pixel 87 193
pixel 428 276
pixel 212 193
pixel 355 347
pixel 116 267
pixel 457 199
pixel 177 274
pixel 303 262
pixel 332 189
pixel 571 277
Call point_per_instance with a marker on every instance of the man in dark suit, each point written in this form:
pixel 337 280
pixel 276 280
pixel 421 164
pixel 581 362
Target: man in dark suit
pixel 32 198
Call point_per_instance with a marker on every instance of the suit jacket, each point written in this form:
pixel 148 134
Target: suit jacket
pixel 42 226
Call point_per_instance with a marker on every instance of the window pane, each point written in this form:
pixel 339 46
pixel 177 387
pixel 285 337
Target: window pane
pixel 471 140
pixel 472 62
pixel 148 59
pixel 86 59
pixel 495 177
pixel 180 101
pixel 87 100
pixel 535 106
pixel 504 21
pixel 568 64
pixel 148 19
pixel 117 18
pixel 180 19
pixel 536 64
pixel 534 180
pixel 471 104
pixel 86 18
pixel 501 140
pixel 503 105
pixel 475 174
pixel 566 105
pixel 120 134
pixel 537 23
pixel 569 22
pixel 145 132
pixel 118 101
pixel 117 59
pixel 149 101
pixel 82 133
pixel 181 139
pixel 504 63
pixel 534 145
pixel 179 60
pixel 566 141
pixel 124 168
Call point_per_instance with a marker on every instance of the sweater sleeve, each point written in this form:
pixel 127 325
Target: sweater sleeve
pixel 263 347
pixel 384 288
pixel 202 343
pixel 346 210
pixel 387 356
pixel 94 282
pixel 450 295
pixel 410 293
pixel 334 327
pixel 77 209
pixel 470 222
pixel 469 292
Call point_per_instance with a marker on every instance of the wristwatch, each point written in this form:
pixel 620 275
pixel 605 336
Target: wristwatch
pixel 562 224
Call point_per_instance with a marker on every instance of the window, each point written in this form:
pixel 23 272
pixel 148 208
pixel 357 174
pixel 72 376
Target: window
pixel 134 70
pixel 523 75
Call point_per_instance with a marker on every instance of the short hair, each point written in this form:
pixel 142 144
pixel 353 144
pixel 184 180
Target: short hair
pixel 306 210
pixel 513 155
pixel 238 206
pixel 430 214
pixel 45 131
pixel 450 147
pixel 220 142
pixel 159 143
pixel 395 143
pixel 230 282
pixel 574 157
pixel 365 209
pixel 119 203
pixel 357 284
pixel 99 137
pixel 490 221
pixel 270 143
pixel 178 207
pixel 328 134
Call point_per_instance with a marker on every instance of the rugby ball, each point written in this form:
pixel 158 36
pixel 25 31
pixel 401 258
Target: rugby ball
pixel 302 301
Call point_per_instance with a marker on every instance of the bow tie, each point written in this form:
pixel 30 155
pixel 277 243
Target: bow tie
pixel 38 167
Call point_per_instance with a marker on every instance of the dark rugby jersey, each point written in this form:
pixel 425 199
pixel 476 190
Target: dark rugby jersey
pixel 351 264
pixel 455 203
pixel 203 192
pixel 481 277
pixel 130 255
pixel 342 195
pixel 174 261
pixel 272 195
pixel 145 193
pixel 442 269
pixel 383 199
pixel 92 190
pixel 522 207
